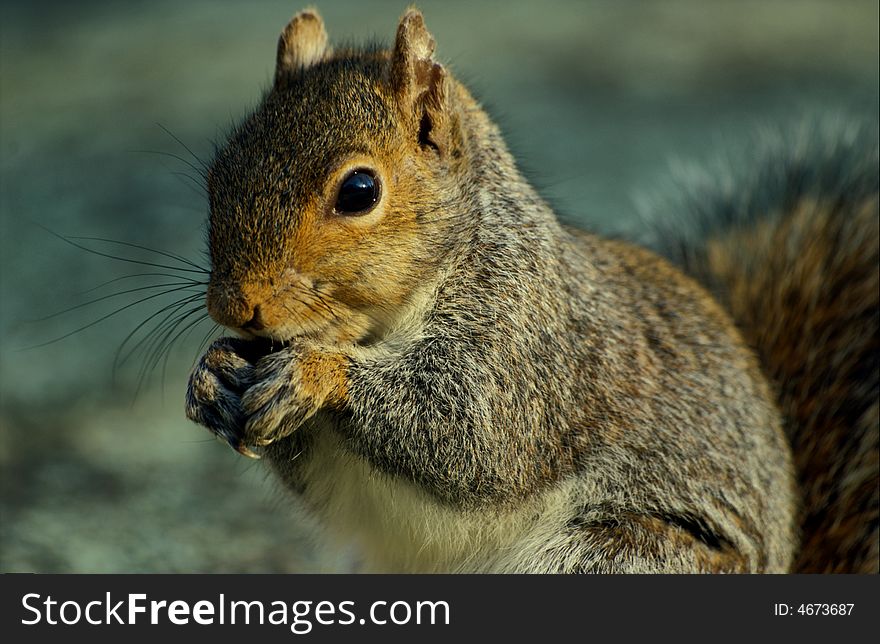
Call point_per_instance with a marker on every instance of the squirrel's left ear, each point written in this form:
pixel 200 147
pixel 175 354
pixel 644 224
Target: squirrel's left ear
pixel 302 44
pixel 419 82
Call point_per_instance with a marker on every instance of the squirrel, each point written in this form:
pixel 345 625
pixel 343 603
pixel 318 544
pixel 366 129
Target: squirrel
pixel 449 377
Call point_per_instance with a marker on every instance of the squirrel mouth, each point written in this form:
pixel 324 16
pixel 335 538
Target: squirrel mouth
pixel 256 347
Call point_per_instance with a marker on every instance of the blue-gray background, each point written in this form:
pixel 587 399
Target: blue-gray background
pixel 596 98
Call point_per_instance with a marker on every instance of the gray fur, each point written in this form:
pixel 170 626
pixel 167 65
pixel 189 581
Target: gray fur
pixel 543 401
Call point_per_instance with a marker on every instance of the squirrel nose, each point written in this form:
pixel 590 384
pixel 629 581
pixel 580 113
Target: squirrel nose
pixel 234 308
pixel 256 321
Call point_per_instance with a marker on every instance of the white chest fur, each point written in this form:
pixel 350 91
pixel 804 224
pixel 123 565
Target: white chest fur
pixel 399 528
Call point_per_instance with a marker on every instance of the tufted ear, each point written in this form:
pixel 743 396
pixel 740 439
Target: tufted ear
pixel 302 44
pixel 419 82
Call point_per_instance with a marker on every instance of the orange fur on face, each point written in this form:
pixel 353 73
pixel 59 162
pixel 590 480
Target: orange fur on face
pixel 310 270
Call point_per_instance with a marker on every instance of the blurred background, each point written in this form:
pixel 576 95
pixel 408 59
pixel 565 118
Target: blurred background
pixel 99 101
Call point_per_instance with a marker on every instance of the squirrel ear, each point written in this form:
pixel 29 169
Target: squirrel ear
pixel 302 44
pixel 419 82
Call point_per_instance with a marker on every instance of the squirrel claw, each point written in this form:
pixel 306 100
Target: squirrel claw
pixel 244 450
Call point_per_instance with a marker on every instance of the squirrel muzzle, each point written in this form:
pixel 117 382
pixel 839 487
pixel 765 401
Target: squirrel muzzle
pixel 237 306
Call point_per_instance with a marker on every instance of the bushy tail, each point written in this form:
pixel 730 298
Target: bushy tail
pixel 790 245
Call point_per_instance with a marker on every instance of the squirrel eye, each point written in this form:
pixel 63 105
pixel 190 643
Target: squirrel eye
pixel 358 193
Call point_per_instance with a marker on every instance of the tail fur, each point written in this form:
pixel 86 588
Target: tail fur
pixel 790 246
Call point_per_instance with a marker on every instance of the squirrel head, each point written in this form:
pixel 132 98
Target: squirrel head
pixel 327 202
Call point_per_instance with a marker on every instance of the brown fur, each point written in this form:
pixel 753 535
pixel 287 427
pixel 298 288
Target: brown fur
pixel 805 290
pixel 302 44
pixel 455 379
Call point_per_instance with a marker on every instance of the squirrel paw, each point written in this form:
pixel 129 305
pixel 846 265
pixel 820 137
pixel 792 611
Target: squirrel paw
pixel 213 396
pixel 290 385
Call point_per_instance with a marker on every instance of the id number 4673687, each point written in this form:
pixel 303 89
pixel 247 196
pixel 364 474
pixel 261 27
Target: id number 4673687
pixel 813 609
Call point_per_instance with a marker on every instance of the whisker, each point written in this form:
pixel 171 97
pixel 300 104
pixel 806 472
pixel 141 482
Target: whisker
pixel 190 329
pixel 98 321
pixel 174 306
pixel 319 296
pixel 184 145
pixel 132 276
pixel 204 343
pixel 305 303
pixel 123 259
pixel 167 326
pixel 152 351
pixel 179 258
pixel 162 345
pixel 298 318
pixel 182 285
pixel 181 336
pixel 153 340
pixel 191 183
pixel 202 172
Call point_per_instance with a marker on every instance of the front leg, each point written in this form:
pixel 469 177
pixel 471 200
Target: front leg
pixel 290 385
pixel 249 399
pixel 213 395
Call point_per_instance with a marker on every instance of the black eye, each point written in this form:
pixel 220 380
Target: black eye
pixel 358 193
